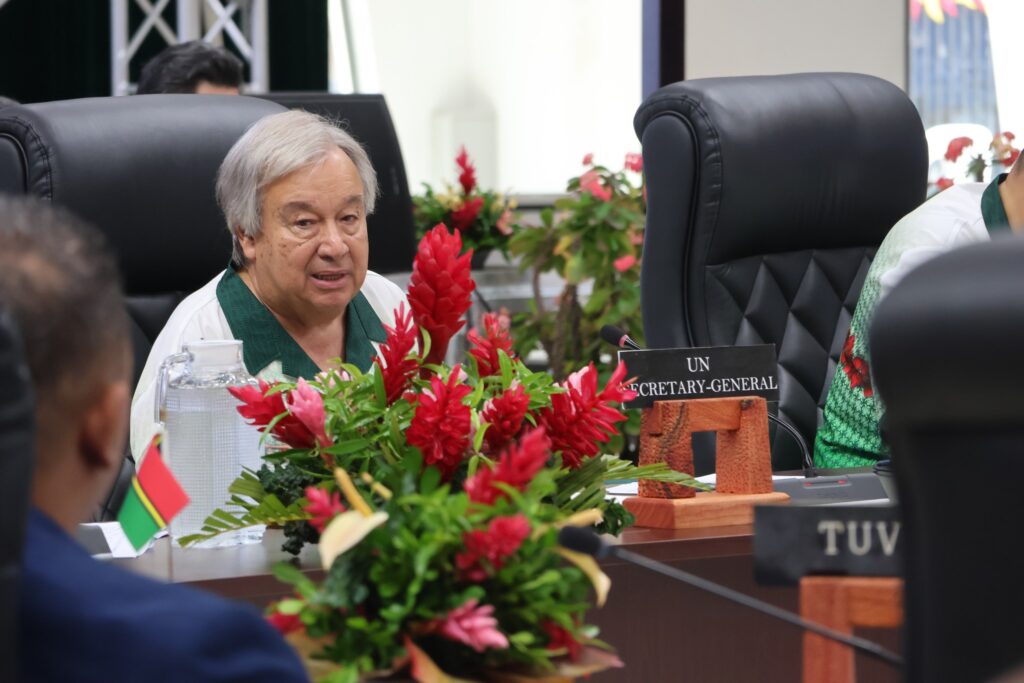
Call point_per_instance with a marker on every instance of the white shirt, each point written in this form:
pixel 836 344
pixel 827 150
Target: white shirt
pixel 200 317
pixel 949 220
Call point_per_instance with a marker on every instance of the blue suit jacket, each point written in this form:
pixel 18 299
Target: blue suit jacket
pixel 82 620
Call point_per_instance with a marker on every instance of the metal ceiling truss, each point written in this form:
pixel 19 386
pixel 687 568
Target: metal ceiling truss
pixel 248 34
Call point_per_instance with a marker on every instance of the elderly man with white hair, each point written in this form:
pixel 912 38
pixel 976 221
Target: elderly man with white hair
pixel 295 191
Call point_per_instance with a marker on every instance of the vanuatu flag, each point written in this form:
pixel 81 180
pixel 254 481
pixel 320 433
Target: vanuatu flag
pixel 153 500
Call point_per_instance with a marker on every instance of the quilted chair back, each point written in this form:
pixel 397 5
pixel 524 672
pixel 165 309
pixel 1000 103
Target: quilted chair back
pixel 767 199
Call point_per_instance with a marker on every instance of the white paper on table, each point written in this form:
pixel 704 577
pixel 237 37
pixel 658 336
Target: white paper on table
pixel 118 543
pixel 630 488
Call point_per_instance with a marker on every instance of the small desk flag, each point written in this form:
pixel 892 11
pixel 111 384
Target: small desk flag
pixel 154 498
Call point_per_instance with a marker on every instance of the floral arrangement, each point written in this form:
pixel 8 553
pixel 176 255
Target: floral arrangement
pixel 1002 154
pixel 436 494
pixel 593 236
pixel 483 218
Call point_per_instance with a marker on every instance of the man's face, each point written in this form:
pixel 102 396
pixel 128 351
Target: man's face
pixel 310 257
pixel 207 88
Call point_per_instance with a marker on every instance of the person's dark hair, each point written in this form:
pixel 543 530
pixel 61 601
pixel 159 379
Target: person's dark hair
pixel 61 284
pixel 7 102
pixel 180 69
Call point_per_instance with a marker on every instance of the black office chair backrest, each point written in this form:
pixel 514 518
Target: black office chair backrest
pixel 17 427
pixel 142 170
pixel 366 117
pixel 946 358
pixel 767 198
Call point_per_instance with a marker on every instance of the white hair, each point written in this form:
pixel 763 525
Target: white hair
pixel 272 148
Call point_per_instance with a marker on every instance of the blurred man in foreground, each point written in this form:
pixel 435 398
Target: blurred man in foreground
pixel 193 67
pixel 963 214
pixel 79 619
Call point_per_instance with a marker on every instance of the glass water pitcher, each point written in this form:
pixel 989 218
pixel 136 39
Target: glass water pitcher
pixel 206 441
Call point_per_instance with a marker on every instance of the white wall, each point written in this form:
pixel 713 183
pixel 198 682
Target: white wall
pixel 754 37
pixel 528 86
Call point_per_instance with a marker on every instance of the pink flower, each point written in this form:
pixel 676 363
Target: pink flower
pixel 634 162
pixel 588 159
pixel 474 626
pixel 322 506
pixel 624 263
pixel 1010 137
pixel 591 182
pixel 307 405
pixel 467 172
pixel 260 408
pixel 504 223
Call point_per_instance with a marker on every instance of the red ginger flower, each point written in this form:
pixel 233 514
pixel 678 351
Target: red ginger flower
pixel 260 409
pixel 463 217
pixel 944 183
pixel 485 348
pixel 440 426
pixel 516 468
pixel 956 147
pixel 440 288
pixel 394 363
pixel 285 623
pixel 560 638
pixel 581 418
pixel 505 416
pixel 467 175
pixel 503 537
pixel 323 506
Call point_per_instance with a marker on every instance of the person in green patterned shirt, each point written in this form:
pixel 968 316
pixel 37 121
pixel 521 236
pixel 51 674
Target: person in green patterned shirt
pixel 963 214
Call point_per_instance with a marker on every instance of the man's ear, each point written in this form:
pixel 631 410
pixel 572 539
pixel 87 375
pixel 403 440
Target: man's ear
pixel 104 430
pixel 248 244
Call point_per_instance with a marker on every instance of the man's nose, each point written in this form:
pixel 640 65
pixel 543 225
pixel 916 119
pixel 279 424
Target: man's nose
pixel 333 243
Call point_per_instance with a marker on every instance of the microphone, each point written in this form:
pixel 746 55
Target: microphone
pixel 583 540
pixel 616 336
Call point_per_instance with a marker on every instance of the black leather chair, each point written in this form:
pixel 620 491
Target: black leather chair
pixel 142 170
pixel 17 427
pixel 392 227
pixel 946 360
pixel 767 198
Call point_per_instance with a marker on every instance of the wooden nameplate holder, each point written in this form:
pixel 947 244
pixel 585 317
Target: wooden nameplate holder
pixel 742 463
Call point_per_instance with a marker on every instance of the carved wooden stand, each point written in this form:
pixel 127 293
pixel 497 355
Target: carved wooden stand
pixel 742 462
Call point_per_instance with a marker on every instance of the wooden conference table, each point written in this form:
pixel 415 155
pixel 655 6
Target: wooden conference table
pixel 664 631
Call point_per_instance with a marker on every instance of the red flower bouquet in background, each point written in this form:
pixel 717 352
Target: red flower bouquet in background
pixel 1001 155
pixel 482 218
pixel 436 495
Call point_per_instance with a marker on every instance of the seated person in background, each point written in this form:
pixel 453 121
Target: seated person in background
pixel 80 619
pixel 963 214
pixel 193 67
pixel 296 191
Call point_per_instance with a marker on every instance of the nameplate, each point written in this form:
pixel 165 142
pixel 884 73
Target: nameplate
pixel 793 542
pixel 709 372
